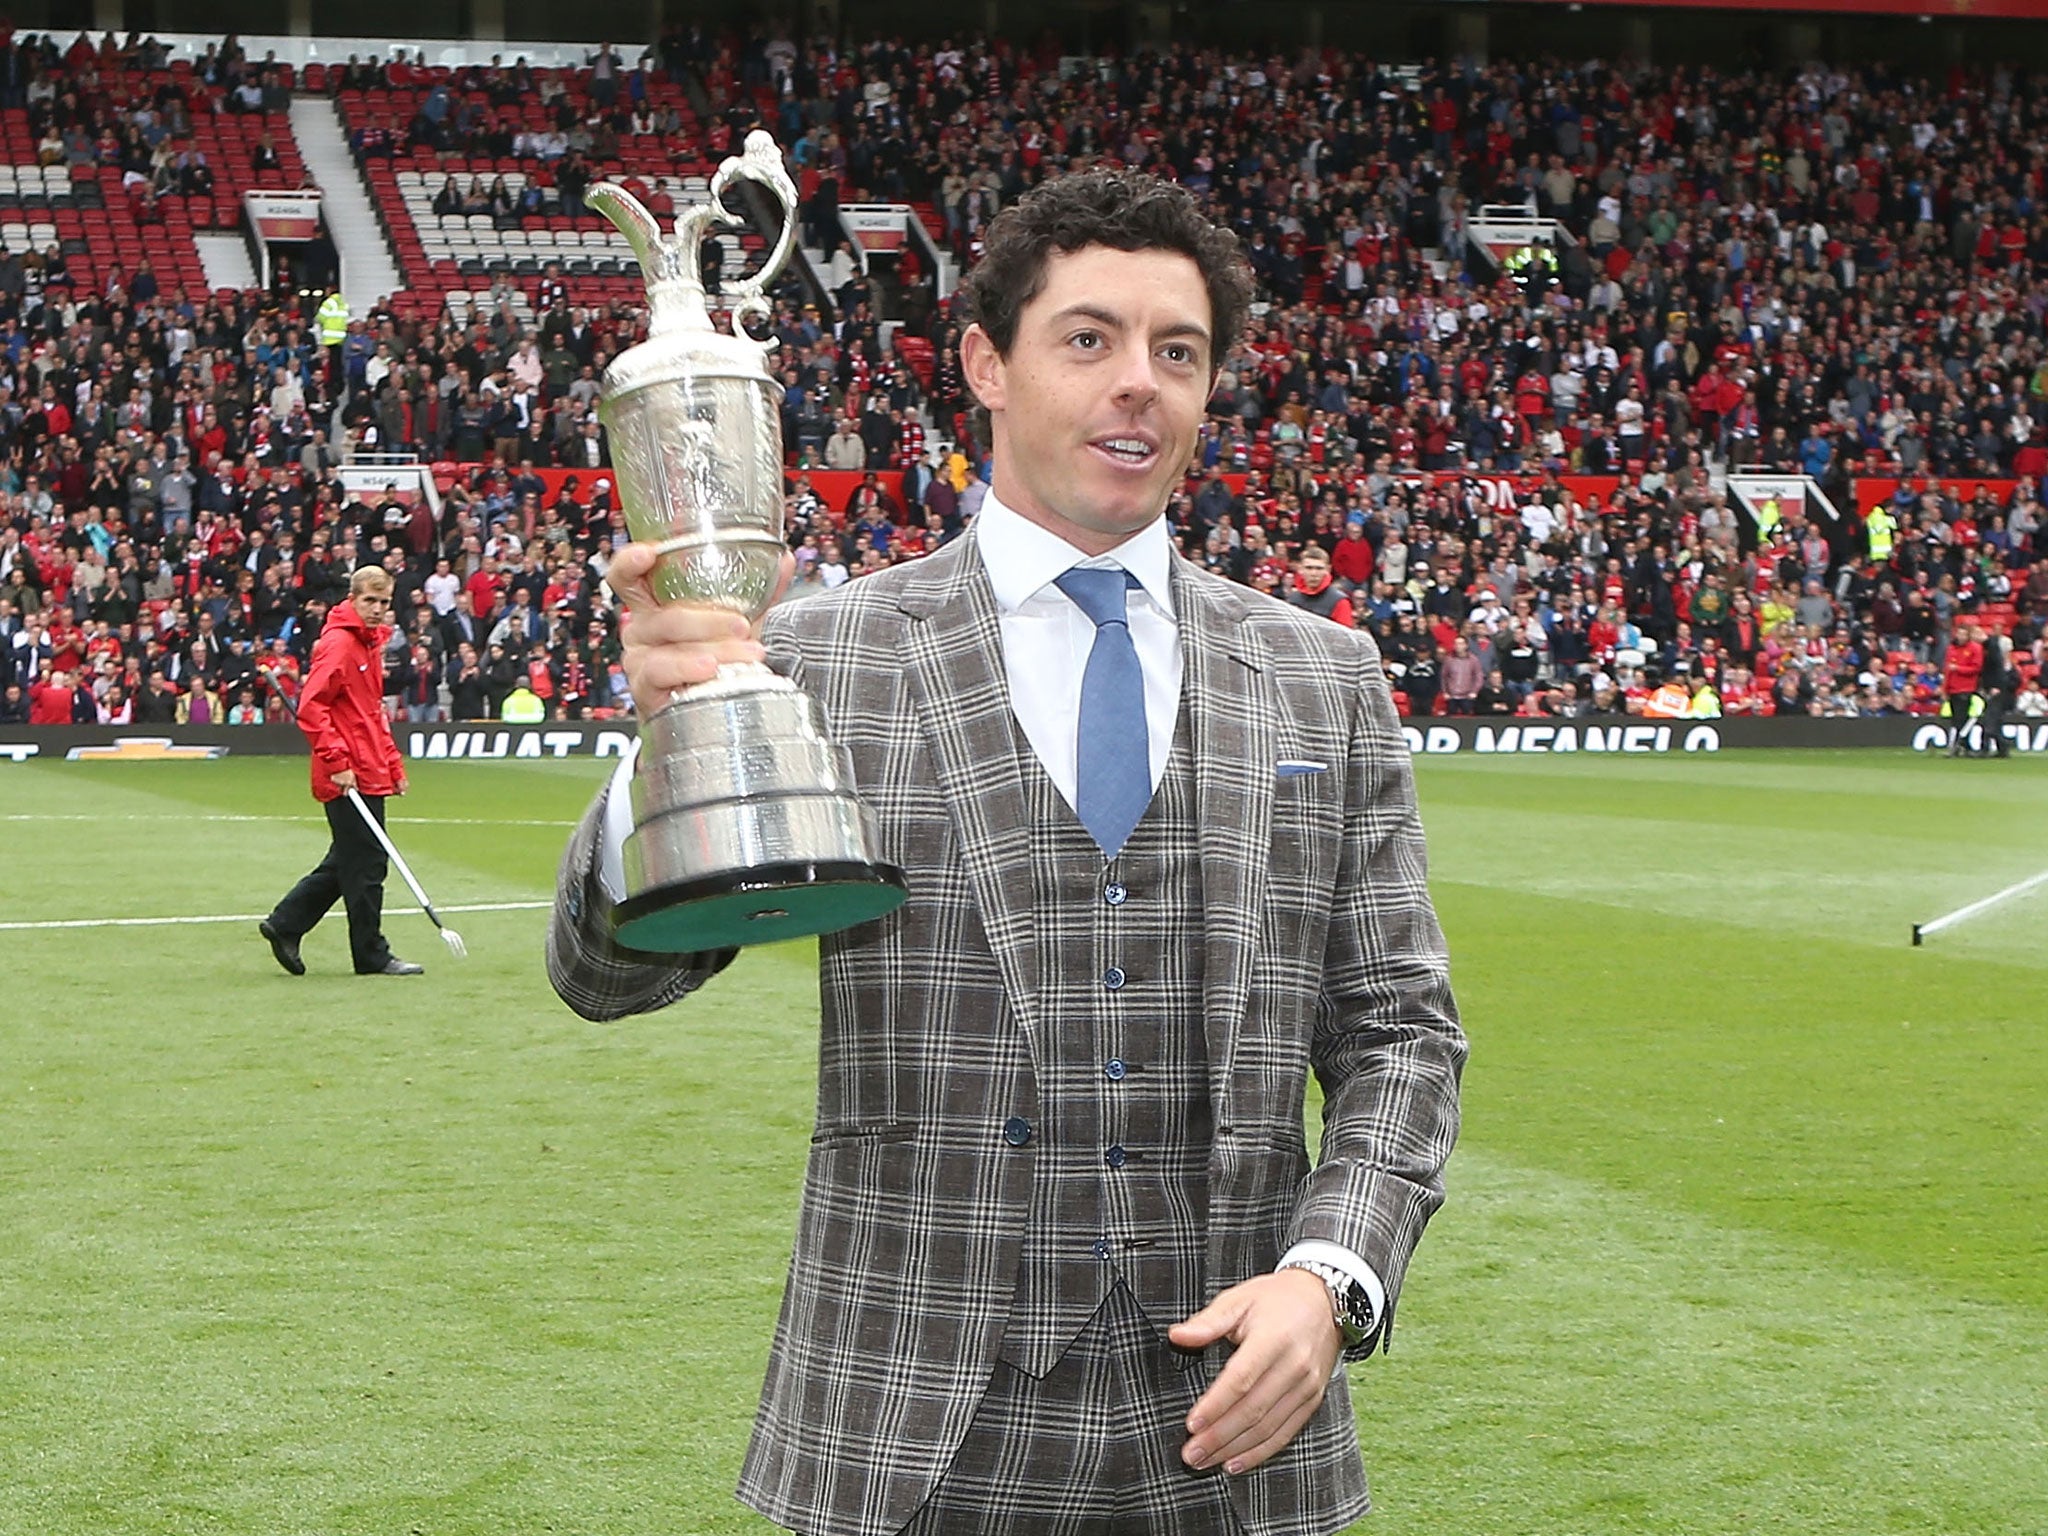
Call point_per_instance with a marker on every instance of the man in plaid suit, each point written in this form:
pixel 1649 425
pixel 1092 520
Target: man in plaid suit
pixel 1063 1264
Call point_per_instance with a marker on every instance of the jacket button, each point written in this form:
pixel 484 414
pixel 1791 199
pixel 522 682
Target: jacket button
pixel 1101 1247
pixel 1115 1157
pixel 1113 978
pixel 1114 1069
pixel 1016 1130
pixel 1115 894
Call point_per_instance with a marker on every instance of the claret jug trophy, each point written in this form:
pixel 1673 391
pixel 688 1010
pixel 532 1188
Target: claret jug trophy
pixel 746 824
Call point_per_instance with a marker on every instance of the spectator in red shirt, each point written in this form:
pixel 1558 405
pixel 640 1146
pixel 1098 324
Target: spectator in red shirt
pixel 1739 693
pixel 67 642
pixel 1352 561
pixel 1443 121
pixel 49 702
pixel 483 595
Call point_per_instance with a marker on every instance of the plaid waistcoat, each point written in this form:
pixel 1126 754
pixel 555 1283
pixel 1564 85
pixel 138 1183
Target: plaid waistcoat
pixel 1123 1088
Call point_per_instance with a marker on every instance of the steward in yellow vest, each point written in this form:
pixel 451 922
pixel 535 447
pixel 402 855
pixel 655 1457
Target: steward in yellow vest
pixel 332 318
pixel 522 706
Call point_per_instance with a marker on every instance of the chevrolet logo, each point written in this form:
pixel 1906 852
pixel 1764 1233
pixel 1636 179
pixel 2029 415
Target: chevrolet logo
pixel 143 749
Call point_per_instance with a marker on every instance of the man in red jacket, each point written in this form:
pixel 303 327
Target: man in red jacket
pixel 1314 590
pixel 341 710
pixel 1963 670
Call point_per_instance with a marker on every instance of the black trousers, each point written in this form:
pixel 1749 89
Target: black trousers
pixel 1992 723
pixel 1959 718
pixel 353 874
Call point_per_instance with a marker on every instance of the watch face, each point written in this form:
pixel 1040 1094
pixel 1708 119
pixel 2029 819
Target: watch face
pixel 1359 1305
pixel 1358 1318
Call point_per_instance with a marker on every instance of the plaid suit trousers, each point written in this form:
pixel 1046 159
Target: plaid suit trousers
pixel 1093 1449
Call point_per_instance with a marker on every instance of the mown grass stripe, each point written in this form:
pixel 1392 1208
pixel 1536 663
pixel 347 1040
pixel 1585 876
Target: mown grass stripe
pixel 1575 1357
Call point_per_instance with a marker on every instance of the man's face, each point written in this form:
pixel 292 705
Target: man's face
pixel 1098 406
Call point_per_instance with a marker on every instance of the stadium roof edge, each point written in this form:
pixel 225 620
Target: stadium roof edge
pixel 298 51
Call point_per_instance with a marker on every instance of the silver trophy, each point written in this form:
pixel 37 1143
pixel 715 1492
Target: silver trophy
pixel 746 825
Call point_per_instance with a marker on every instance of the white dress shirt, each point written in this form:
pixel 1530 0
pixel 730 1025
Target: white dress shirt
pixel 1046 637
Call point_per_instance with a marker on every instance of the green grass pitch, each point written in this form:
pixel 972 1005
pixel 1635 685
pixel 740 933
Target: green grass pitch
pixel 1748 1230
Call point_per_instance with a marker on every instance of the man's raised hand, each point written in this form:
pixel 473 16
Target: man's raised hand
pixel 673 645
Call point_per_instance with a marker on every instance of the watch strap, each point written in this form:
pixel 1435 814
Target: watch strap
pixel 1349 1303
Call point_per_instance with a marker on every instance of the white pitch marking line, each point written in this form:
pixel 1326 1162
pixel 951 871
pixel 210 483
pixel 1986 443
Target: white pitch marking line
pixel 414 821
pixel 252 917
pixel 1948 920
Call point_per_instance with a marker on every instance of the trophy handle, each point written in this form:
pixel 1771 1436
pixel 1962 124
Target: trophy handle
pixel 760 161
pixel 669 263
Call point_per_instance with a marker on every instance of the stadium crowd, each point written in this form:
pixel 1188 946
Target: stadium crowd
pixel 1511 480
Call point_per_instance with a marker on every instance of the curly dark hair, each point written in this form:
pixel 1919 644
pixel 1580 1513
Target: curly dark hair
pixel 1124 210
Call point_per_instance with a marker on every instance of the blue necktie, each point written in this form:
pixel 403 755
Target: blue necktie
pixel 1114 762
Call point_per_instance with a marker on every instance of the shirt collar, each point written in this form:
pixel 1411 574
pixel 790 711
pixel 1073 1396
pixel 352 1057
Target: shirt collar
pixel 1022 558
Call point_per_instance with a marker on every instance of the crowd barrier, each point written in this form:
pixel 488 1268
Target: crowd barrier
pixel 484 741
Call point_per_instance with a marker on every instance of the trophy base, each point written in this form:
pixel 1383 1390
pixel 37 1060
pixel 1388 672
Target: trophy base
pixel 757 906
pixel 747 827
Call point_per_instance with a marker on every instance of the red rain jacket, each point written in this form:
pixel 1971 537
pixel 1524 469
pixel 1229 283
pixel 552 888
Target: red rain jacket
pixel 341 708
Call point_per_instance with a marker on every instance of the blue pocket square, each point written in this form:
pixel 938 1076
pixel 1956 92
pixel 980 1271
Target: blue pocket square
pixel 1297 767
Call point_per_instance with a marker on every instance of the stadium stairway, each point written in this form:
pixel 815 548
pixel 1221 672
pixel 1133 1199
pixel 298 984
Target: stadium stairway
pixel 225 259
pixel 368 271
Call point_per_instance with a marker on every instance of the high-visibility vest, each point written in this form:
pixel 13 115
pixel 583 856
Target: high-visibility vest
pixel 1882 529
pixel 1768 515
pixel 523 707
pixel 1669 702
pixel 333 318
pixel 1705 705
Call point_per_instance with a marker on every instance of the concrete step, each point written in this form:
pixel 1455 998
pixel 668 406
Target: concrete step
pixel 226 260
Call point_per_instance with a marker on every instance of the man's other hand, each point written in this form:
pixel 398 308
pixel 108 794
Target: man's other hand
pixel 1287 1344
pixel 345 780
pixel 673 645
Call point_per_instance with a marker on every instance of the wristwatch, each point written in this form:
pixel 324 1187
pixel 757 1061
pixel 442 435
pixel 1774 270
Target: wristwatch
pixel 1349 1302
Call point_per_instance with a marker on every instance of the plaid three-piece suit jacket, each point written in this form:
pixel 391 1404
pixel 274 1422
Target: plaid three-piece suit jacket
pixel 1321 952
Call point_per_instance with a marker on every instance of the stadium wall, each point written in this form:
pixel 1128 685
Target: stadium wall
pixel 490 741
